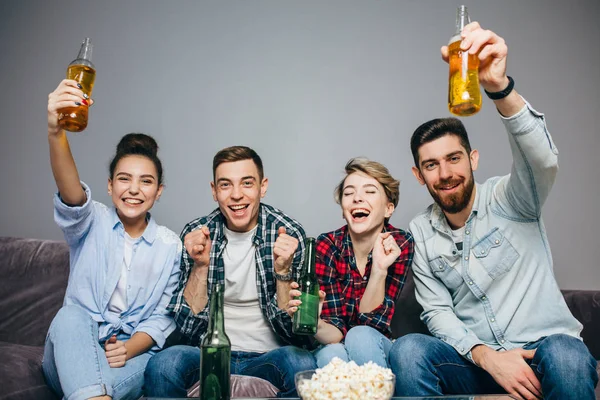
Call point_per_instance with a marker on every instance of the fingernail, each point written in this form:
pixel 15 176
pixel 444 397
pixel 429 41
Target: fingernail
pixel 77 103
pixel 79 86
pixel 85 96
pixel 84 102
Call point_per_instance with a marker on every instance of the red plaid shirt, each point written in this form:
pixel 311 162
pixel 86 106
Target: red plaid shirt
pixel 344 285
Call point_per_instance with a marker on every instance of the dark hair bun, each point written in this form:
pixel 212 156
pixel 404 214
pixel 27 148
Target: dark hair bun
pixel 137 143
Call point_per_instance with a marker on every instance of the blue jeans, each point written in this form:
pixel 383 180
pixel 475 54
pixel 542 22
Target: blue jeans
pixel 328 352
pixel 426 366
pixel 365 344
pixel 362 344
pixel 75 364
pixel 173 371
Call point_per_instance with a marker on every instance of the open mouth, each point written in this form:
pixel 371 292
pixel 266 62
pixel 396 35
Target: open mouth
pixel 238 209
pixel 132 202
pixel 360 214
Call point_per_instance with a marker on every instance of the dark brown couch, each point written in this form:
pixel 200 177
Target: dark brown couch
pixel 33 276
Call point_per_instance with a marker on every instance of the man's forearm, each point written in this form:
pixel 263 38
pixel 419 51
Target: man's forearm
pixel 510 105
pixel 283 293
pixel 196 292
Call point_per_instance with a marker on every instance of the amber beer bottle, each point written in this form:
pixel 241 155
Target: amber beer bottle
pixel 464 96
pixel 75 119
pixel 215 352
pixel 307 316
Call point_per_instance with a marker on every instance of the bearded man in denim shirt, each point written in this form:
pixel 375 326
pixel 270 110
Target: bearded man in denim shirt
pixel 482 262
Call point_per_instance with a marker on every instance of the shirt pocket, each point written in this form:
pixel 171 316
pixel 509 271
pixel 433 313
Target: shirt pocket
pixel 495 253
pixel 444 272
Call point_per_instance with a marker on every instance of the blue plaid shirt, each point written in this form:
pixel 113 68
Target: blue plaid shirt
pixel 193 326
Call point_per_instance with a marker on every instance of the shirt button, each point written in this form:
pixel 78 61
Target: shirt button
pixel 483 298
pixel 502 341
pixel 365 278
pixel 497 241
pixel 482 251
pixel 467 258
pixel 467 232
pixel 492 320
pixel 441 267
pixel 470 282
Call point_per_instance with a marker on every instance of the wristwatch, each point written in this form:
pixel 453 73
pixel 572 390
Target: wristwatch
pixel 283 277
pixel 503 93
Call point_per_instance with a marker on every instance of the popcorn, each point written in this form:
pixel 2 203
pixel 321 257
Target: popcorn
pixel 347 381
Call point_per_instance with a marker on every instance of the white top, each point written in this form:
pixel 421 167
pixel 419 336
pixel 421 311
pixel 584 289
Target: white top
pixel 245 323
pixel 118 300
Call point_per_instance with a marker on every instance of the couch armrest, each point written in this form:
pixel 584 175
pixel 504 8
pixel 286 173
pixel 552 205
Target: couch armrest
pixel 585 306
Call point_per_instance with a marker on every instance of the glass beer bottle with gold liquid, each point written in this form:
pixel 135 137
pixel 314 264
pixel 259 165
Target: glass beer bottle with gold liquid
pixel 75 119
pixel 464 96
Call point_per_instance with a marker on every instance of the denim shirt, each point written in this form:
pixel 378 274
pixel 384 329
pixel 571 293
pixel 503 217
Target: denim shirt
pixel 500 289
pixel 95 236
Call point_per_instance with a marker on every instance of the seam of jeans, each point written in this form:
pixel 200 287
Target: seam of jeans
pixel 536 367
pixel 285 389
pixel 128 378
pixel 453 364
pixel 96 355
pixel 385 358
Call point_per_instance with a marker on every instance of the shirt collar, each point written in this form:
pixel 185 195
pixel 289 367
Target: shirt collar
pixel 149 233
pixel 344 241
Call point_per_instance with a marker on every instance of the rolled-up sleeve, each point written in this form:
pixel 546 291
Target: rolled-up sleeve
pixel 74 221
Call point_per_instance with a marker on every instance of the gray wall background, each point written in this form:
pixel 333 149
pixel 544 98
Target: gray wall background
pixel 308 85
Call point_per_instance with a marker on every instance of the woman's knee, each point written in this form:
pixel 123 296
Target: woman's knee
pixel 327 353
pixel 362 334
pixel 69 319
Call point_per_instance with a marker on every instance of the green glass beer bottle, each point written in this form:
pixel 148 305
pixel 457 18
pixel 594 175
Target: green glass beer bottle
pixel 306 318
pixel 215 350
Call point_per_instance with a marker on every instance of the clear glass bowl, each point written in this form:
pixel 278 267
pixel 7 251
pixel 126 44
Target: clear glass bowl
pixel 354 387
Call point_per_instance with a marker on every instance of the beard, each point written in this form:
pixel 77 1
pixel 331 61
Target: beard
pixel 456 202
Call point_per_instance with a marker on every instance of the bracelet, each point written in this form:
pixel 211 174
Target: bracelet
pixel 284 277
pixel 503 93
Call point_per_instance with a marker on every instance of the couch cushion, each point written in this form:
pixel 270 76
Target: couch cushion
pixel 21 373
pixel 33 280
pixel 244 386
pixel 407 316
pixel 585 306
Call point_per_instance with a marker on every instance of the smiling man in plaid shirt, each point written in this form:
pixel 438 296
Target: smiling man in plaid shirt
pixel 256 251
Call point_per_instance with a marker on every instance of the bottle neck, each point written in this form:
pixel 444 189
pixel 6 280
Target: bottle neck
pixel 216 320
pixel 310 258
pixel 462 19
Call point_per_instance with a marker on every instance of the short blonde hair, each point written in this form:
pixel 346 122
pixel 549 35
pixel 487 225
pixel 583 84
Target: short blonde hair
pixel 376 171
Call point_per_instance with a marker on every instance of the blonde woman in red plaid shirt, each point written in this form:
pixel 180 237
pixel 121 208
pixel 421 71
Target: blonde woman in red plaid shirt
pixel 361 268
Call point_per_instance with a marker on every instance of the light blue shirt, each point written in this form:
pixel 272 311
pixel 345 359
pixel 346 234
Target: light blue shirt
pixel 500 289
pixel 95 236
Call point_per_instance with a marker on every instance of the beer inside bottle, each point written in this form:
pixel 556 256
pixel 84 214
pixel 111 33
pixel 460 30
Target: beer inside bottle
pixel 306 317
pixel 214 367
pixel 215 352
pixel 464 96
pixel 75 118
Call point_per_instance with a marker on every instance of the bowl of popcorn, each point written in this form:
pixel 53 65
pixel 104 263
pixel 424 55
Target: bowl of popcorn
pixel 346 381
